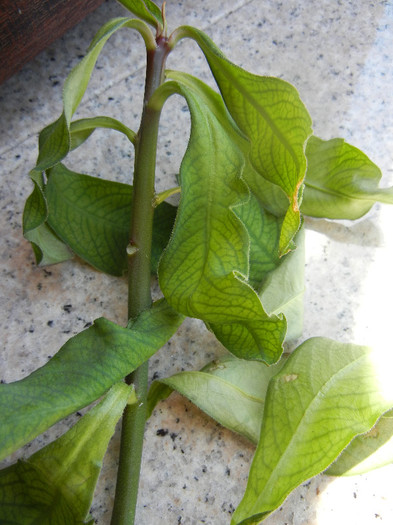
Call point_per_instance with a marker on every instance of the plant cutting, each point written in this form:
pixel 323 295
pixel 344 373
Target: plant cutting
pixel 230 254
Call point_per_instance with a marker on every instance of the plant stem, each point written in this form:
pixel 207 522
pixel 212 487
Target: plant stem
pixel 139 292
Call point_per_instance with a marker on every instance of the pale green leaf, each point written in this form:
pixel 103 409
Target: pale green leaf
pixel 326 394
pixel 269 195
pixel 48 248
pixel 271 115
pixel 261 213
pixel 204 269
pixel 236 392
pixel 368 451
pixel 92 216
pixel 146 10
pixel 282 290
pixel 264 232
pixel 341 181
pixel 56 484
pixel 80 130
pixel 81 371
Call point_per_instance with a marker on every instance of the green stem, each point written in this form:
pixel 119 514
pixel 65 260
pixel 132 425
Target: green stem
pixel 139 292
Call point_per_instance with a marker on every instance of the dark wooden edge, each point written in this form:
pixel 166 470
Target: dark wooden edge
pixel 29 26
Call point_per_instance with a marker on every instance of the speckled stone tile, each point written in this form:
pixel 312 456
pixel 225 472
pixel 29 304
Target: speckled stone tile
pixel 340 57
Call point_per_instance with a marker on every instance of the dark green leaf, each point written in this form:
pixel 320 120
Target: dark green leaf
pixel 81 371
pixel 48 248
pixel 164 219
pixel 56 484
pixel 341 181
pixel 92 216
pixel 326 394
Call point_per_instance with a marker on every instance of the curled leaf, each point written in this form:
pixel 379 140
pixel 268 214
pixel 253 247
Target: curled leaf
pixel 236 392
pixel 203 271
pixel 341 181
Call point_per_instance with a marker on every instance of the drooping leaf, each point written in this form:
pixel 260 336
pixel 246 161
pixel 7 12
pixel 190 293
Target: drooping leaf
pixel 81 130
pixel 54 142
pixel 326 394
pixel 236 392
pixel 282 290
pixel 48 248
pixel 263 229
pixel 270 196
pixel 55 139
pixel 366 452
pixel 145 9
pixel 92 216
pixel 341 181
pixel 204 269
pixel 262 214
pixel 271 115
pixel 56 484
pixel 81 371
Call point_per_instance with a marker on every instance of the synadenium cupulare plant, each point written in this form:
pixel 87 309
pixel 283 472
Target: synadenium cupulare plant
pixel 231 254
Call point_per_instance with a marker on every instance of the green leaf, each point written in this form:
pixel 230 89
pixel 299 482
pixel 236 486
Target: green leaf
pixel 237 391
pixel 283 289
pixel 368 451
pixel 145 9
pixel 261 213
pixel 204 268
pixel 81 130
pixel 81 371
pixel 57 483
pixel 92 216
pixel 48 248
pixel 164 219
pixel 341 181
pixel 270 196
pixel 264 232
pixel 326 394
pixel 271 115
pixel 54 141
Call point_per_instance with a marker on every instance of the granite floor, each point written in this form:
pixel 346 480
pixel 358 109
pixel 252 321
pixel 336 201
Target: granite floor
pixel 340 57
